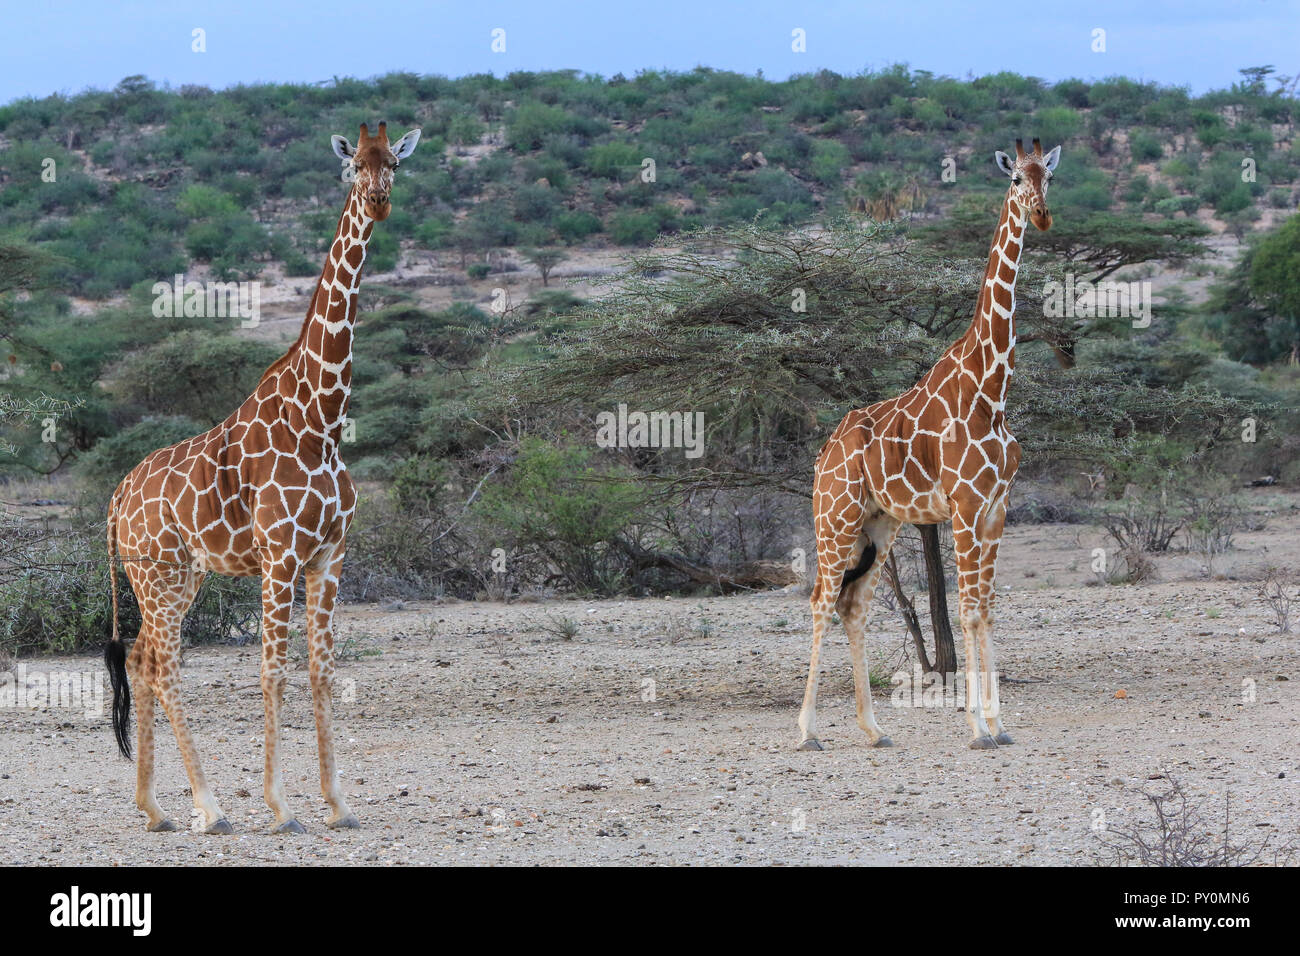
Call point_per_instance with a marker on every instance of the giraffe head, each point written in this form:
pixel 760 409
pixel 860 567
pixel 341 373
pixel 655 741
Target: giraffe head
pixel 371 163
pixel 1030 173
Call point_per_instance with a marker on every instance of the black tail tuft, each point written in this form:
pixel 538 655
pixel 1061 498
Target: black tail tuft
pixel 115 661
pixel 868 559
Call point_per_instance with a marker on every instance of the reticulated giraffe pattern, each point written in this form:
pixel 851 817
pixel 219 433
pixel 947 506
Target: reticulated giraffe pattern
pixel 264 492
pixel 941 451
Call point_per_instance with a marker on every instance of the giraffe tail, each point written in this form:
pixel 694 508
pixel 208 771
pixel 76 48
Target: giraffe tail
pixel 864 565
pixel 115 652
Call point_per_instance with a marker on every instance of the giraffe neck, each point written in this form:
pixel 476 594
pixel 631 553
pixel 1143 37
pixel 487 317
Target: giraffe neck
pixel 989 345
pixel 321 359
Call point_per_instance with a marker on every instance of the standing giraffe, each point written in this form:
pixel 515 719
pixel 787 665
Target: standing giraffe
pixel 940 451
pixel 265 492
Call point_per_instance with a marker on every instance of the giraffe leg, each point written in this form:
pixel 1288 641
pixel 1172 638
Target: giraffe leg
pixel 821 613
pixel 165 592
pixel 168 691
pixel 968 548
pixel 142 691
pixel 322 589
pixel 989 695
pixel 278 579
pixel 835 551
pixel 854 604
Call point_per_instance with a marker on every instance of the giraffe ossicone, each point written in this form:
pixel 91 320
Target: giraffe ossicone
pixel 263 493
pixel 941 451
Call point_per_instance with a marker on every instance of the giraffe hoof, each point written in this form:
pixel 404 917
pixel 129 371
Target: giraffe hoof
pixel 163 826
pixel 984 743
pixel 1004 738
pixel 883 742
pixel 349 822
pixel 221 828
pixel 290 826
pixel 812 743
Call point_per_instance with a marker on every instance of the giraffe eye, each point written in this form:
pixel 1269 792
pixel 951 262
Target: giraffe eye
pixel 1016 180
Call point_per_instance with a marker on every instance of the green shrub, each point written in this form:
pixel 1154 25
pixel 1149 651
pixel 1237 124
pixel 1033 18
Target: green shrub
pixel 1176 204
pixel 576 225
pixel 633 228
pixel 829 160
pixel 382 252
pixel 1234 200
pixel 613 160
pixel 201 376
pixel 556 500
pixel 530 125
pixel 1055 124
pixel 1145 147
pixel 536 204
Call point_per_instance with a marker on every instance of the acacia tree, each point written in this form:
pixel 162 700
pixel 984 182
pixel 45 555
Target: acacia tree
pixel 23 269
pixel 545 260
pixel 774 336
pixel 1092 245
pixel 1274 270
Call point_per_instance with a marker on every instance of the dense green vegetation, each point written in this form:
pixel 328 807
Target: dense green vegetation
pixel 474 429
pixel 147 180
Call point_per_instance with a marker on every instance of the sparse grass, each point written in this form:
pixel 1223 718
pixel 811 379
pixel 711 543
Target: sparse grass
pixel 557 626
pixel 356 648
pixel 880 678
pixel 679 627
pixel 349 648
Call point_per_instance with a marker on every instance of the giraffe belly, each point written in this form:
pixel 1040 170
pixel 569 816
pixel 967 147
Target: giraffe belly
pixel 928 506
pixel 221 550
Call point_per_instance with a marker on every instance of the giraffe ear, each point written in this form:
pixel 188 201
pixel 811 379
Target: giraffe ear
pixel 1005 163
pixel 1052 159
pixel 342 148
pixel 406 145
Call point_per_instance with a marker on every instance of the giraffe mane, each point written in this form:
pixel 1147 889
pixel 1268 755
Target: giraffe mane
pixel 278 365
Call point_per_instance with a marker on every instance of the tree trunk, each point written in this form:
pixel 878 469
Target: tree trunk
pixel 945 652
pixel 908 611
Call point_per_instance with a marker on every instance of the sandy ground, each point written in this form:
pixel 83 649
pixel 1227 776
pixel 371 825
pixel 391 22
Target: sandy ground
pixel 472 733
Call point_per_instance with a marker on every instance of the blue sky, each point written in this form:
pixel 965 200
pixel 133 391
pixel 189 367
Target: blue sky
pixel 69 46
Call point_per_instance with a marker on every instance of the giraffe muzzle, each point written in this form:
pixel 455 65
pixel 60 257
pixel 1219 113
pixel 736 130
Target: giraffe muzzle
pixel 1041 217
pixel 377 205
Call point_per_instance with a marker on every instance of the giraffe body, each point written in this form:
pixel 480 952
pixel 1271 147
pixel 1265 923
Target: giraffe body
pixel 941 451
pixel 264 492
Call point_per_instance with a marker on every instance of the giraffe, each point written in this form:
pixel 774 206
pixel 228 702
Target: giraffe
pixel 264 492
pixel 940 451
